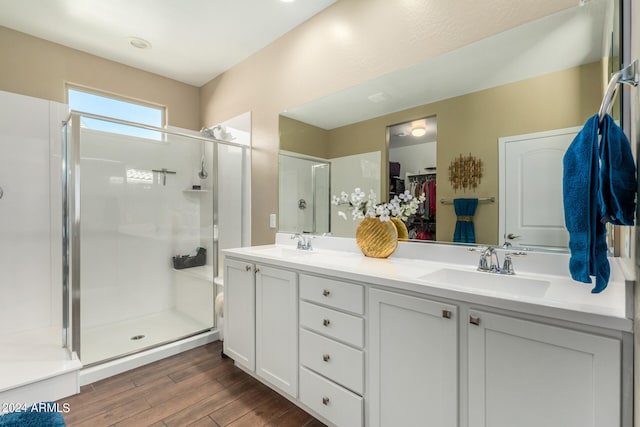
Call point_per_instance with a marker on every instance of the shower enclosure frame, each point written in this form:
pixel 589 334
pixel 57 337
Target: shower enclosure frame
pixel 318 163
pixel 71 221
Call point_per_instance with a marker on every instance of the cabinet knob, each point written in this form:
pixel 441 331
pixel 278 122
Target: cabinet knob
pixel 326 322
pixel 325 401
pixel 474 320
pixel 326 292
pixel 326 357
pixel 446 314
pixel 247 267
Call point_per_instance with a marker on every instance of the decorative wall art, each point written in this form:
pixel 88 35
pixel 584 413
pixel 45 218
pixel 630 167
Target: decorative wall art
pixel 465 172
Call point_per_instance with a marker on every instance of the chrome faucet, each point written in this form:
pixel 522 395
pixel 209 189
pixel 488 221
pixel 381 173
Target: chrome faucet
pixel 304 242
pixel 489 261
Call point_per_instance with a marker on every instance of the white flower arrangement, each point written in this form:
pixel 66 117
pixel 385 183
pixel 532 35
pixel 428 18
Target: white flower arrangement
pixel 367 206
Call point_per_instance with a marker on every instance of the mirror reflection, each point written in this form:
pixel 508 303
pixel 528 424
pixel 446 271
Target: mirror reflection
pixel 513 101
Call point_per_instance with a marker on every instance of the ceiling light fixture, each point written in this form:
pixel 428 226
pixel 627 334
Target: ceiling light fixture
pixel 287 1
pixel 418 132
pixel 139 43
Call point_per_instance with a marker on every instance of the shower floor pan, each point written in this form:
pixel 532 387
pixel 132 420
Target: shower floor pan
pixel 109 341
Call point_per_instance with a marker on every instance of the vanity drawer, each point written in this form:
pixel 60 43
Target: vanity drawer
pixel 335 324
pixel 336 404
pixel 334 293
pixel 338 362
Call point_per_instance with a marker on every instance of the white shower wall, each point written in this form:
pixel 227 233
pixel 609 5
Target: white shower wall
pixel 132 224
pixel 30 259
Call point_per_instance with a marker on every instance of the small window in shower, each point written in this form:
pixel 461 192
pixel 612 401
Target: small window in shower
pixel 111 107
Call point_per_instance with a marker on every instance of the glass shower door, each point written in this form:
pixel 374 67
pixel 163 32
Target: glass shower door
pixel 146 239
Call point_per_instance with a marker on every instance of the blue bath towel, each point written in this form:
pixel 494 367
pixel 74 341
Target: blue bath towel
pixel 587 207
pixel 465 210
pixel 617 175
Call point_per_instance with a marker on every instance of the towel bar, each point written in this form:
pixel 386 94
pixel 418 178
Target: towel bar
pixel 480 200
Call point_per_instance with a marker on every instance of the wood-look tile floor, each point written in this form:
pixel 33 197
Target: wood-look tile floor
pixel 194 388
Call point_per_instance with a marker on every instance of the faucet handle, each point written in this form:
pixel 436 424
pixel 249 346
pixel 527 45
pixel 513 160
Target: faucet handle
pixel 507 267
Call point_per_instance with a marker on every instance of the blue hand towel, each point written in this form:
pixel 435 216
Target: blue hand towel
pixel 617 175
pixel 581 211
pixel 465 210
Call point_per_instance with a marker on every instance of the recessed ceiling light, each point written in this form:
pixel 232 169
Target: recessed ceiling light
pixel 287 1
pixel 418 131
pixel 139 43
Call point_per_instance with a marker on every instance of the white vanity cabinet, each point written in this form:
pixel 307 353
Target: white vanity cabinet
pixel 358 349
pixel 531 374
pixel 240 313
pixel 332 366
pixel 413 361
pixel 261 322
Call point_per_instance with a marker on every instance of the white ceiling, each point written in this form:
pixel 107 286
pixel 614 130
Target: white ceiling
pixel 192 41
pixel 563 40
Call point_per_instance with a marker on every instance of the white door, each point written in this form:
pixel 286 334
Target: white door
pixel 239 313
pixel 413 356
pixel 531 206
pixel 277 328
pixel 527 374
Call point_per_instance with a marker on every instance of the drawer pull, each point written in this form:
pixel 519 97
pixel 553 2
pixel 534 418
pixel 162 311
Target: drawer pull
pixel 257 270
pixel 326 357
pixel 474 320
pixel 326 322
pixel 326 292
pixel 446 314
pixel 247 268
pixel 325 401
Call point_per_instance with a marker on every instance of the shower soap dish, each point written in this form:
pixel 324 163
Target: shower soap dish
pixel 187 261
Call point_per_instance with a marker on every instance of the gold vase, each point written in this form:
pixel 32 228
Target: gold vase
pixel 375 238
pixel 403 233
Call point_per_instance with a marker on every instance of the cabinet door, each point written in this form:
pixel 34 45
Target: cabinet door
pixel 530 375
pixel 277 328
pixel 413 356
pixel 239 313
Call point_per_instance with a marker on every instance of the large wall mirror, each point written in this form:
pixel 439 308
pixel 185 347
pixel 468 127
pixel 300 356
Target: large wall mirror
pixel 513 101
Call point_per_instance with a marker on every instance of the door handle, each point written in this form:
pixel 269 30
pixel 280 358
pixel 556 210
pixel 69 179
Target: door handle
pixel 512 236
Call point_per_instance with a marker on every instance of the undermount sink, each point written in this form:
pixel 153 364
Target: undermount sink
pixel 491 282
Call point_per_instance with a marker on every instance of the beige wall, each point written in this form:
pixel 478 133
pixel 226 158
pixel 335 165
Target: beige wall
pixel 348 43
pixel 473 123
pixel 35 67
pixel 303 138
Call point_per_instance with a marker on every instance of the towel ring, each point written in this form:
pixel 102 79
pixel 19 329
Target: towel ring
pixel 629 76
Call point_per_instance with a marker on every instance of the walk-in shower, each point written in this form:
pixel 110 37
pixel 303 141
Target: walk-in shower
pixel 141 234
pixel 304 194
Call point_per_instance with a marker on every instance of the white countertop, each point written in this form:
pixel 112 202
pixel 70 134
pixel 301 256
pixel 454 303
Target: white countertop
pixel 443 270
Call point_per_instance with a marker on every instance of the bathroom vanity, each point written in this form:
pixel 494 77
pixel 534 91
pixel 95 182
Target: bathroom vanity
pixel 423 339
